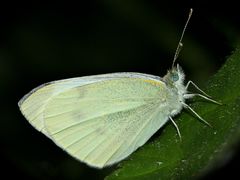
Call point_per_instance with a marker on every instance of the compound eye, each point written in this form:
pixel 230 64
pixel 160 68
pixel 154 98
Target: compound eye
pixel 175 77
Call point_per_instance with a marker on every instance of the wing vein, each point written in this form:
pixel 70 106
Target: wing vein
pixel 92 118
pixel 133 139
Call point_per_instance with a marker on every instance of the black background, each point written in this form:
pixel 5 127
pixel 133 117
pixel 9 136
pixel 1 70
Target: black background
pixel 44 42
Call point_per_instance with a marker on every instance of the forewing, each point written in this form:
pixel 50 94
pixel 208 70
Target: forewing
pixel 104 122
pixel 33 104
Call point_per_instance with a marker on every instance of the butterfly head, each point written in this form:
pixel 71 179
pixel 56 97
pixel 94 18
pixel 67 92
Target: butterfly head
pixel 174 77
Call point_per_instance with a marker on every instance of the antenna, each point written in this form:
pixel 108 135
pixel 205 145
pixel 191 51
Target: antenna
pixel 180 44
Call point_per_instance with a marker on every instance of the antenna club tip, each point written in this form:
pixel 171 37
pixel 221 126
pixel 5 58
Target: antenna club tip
pixel 191 11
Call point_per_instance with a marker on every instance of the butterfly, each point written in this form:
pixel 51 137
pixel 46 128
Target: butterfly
pixel 102 119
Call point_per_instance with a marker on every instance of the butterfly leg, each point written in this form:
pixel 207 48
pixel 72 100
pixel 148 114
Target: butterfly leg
pixel 196 114
pixel 188 96
pixel 175 125
pixel 190 82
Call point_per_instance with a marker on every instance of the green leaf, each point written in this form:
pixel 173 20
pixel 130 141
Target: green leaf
pixel 202 147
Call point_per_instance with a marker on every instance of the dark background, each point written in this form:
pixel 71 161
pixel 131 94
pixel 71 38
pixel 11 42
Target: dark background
pixel 44 42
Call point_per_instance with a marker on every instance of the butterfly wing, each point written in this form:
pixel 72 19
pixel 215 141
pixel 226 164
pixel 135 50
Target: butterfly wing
pixel 33 104
pixel 103 122
pixel 101 119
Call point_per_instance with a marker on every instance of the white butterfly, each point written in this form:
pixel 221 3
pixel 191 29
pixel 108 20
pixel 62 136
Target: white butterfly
pixel 102 119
